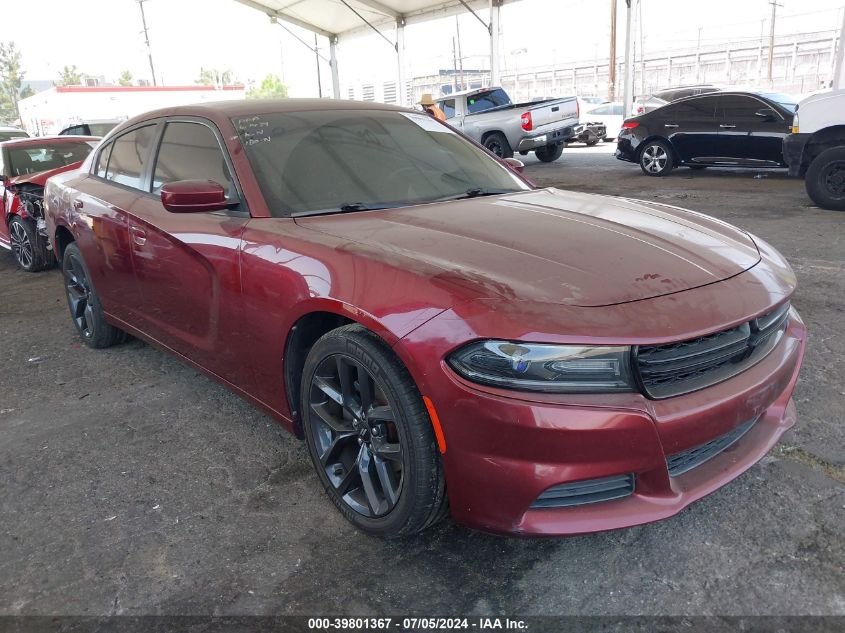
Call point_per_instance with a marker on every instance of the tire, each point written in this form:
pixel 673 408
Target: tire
pixel 825 179
pixel 549 153
pixel 378 461
pixel 29 248
pixel 84 305
pixel 656 159
pixel 593 140
pixel 498 144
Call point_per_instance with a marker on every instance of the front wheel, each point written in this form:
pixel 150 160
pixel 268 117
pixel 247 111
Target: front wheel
pixel 29 248
pixel 370 436
pixel 549 153
pixel 84 304
pixel 825 179
pixel 656 159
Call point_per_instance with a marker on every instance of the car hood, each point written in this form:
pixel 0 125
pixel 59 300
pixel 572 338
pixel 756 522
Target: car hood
pixel 40 177
pixel 550 246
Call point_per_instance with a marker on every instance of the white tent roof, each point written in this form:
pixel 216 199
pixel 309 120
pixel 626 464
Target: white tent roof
pixel 334 18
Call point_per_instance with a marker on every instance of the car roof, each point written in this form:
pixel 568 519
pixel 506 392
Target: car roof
pixel 42 140
pixel 11 128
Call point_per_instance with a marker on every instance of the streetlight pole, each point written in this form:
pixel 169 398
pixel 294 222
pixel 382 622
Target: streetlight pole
pixel 147 40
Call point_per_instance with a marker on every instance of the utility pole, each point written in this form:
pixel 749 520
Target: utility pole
pixel 611 65
pixel 147 40
pixel 317 57
pixel 775 6
pixel 629 58
pixel 460 56
pixel 455 64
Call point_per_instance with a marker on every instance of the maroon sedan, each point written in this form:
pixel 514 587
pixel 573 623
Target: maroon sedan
pixel 430 323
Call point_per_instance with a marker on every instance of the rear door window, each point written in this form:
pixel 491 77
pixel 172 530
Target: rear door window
pixel 487 100
pixel 130 153
pixel 692 109
pixel 190 151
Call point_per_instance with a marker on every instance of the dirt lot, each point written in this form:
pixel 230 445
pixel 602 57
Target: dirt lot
pixel 129 484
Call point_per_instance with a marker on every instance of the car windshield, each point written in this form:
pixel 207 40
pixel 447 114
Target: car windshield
pixel 785 101
pixel 6 135
pixel 34 158
pixel 352 160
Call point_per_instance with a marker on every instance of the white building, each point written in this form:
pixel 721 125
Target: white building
pixel 50 111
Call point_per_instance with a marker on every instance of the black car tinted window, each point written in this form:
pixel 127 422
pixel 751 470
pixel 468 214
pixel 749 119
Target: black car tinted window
pixel 487 100
pixel 695 109
pixel 734 107
pixel 189 151
pixel 129 154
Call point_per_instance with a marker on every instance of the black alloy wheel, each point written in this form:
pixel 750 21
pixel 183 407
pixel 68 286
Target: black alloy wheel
pixel 355 434
pixel 369 435
pixel 497 143
pixel 21 243
pixel 84 305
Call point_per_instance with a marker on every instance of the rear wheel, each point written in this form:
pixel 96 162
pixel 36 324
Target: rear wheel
pixel 549 153
pixel 84 304
pixel 29 248
pixel 369 435
pixel 825 179
pixel 592 140
pixel 656 159
pixel 497 143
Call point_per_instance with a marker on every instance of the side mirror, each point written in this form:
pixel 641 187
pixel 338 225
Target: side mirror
pixel 517 165
pixel 193 196
pixel 767 114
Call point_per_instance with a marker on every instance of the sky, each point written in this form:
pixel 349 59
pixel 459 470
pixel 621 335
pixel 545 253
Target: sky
pixel 186 35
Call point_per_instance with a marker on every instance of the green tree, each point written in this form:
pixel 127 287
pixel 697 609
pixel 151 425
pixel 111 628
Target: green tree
pixel 10 81
pixel 70 76
pixel 26 92
pixel 125 78
pixel 271 87
pixel 214 77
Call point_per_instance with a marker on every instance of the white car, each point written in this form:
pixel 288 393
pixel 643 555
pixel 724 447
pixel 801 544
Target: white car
pixel 612 115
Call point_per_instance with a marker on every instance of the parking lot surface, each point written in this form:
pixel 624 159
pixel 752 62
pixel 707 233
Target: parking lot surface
pixel 130 484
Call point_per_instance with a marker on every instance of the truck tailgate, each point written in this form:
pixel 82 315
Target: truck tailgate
pixel 553 111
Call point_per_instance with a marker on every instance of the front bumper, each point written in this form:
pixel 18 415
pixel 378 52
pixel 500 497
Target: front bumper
pixel 793 152
pixel 503 451
pixel 584 132
pixel 544 139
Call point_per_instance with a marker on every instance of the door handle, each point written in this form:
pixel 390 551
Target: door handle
pixel 726 126
pixel 78 204
pixel 671 126
pixel 139 236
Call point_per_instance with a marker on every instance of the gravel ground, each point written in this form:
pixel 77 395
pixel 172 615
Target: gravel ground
pixel 130 484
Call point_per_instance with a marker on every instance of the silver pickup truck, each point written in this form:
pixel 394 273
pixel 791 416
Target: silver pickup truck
pixel 488 116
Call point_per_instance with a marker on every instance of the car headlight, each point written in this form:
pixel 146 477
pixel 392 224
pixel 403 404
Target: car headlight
pixel 549 368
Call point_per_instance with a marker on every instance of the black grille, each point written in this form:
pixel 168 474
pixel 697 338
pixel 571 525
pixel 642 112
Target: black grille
pixel 677 368
pixel 679 463
pixel 588 491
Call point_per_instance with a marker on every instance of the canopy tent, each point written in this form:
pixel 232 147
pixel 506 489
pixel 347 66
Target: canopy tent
pixel 339 19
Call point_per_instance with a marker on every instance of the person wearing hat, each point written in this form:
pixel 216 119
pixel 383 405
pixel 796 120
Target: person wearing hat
pixel 430 106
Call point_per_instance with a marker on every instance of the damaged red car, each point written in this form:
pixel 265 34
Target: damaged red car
pixel 445 337
pixel 25 166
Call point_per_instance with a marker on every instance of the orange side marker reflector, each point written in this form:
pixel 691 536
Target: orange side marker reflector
pixel 435 422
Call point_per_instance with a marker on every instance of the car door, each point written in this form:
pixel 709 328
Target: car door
pixel 100 208
pixel 4 228
pixel 751 131
pixel 690 125
pixel 187 264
